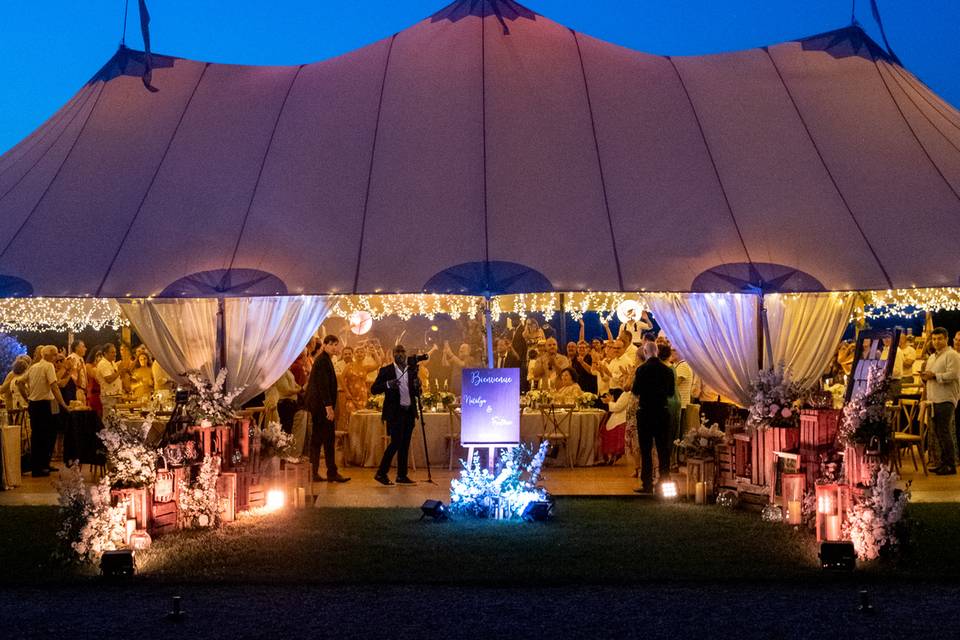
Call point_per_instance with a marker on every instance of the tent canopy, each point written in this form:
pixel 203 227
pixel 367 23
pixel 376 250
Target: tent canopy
pixel 489 133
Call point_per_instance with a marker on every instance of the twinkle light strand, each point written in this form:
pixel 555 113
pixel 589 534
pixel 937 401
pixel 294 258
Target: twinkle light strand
pixel 59 314
pixel 405 306
pixel 891 303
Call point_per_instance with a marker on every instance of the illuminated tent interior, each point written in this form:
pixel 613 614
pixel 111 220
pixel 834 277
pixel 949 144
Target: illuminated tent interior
pixel 489 134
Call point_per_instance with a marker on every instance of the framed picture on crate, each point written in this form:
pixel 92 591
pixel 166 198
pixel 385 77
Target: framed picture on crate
pixel 786 463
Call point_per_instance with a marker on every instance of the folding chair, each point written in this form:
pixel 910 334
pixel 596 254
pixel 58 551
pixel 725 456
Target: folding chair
pixel 554 432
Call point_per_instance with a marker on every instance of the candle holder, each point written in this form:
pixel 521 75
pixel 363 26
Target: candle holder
pixel 793 488
pixel 833 502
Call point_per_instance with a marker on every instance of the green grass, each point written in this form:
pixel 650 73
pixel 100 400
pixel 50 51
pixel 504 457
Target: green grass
pixel 591 541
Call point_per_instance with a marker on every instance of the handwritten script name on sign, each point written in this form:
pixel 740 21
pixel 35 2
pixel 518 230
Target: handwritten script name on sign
pixel 490 407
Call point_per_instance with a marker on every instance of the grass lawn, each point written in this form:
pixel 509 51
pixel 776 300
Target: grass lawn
pixel 591 541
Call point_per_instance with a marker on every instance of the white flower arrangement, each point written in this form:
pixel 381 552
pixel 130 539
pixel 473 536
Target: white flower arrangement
pixel 586 400
pixel 130 462
pixel 536 397
pixel 211 401
pixel 274 441
pixel 375 402
pixel 89 524
pixel 774 400
pixel 865 416
pixel 198 502
pixel 702 441
pixel 874 519
pixel 477 492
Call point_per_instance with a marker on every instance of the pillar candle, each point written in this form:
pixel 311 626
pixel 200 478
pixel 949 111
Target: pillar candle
pixel 701 493
pixel 131 527
pixel 794 512
pixel 833 528
pixel 301 497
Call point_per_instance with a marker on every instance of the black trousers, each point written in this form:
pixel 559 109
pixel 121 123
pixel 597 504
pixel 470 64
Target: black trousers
pixel 323 437
pixel 287 409
pixel 943 430
pixel 43 434
pixel 400 430
pixel 653 428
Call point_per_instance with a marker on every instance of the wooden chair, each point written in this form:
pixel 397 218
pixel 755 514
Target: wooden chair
pixel 554 432
pixel 453 434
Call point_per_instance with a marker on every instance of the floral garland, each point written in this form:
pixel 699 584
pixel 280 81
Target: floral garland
pixel 774 396
pixel 865 416
pixel 211 401
pixel 89 524
pixel 274 441
pixel 479 493
pixel 130 462
pixel 702 441
pixel 199 503
pixel 875 519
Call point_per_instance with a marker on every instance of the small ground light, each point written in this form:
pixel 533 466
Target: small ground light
pixel 275 499
pixel 177 612
pixel 668 490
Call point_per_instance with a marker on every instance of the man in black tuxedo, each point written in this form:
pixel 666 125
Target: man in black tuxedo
pixel 321 402
pixel 653 385
pixel 505 357
pixel 401 387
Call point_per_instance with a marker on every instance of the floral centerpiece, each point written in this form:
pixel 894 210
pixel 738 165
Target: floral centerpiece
pixel 586 400
pixel 198 502
pixel 774 400
pixel 375 402
pixel 480 493
pixel 865 418
pixel 130 462
pixel 535 398
pixel 89 523
pixel 211 402
pixel 702 441
pixel 876 520
pixel 275 442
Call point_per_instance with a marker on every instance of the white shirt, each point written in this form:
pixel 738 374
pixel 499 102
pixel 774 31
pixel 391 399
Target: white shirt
pixel 106 368
pixel 40 378
pixel 404 384
pixel 684 382
pixel 946 386
pixel 79 374
pixel 621 368
pixel 636 329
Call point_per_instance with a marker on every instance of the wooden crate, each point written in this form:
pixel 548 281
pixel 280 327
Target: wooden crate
pixel 139 504
pixel 726 466
pixel 296 474
pixel 833 502
pixel 763 444
pixel 256 496
pixel 165 518
pixel 818 428
pixel 216 440
pixel 246 478
pixel 227 490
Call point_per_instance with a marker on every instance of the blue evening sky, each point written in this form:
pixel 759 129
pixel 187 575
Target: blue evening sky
pixel 49 48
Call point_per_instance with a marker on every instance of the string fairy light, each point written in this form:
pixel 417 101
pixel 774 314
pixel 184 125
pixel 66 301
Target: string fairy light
pixel 59 314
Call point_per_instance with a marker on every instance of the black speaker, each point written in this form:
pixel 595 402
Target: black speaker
pixel 538 510
pixel 117 564
pixel 433 509
pixel 837 556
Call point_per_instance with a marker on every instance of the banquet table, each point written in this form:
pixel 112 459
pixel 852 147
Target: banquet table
pixel 80 441
pixel 367 443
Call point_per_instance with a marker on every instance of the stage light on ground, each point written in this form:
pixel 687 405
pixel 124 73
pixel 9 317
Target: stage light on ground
pixel 117 564
pixel 837 556
pixel 433 509
pixel 668 490
pixel 537 510
pixel 275 499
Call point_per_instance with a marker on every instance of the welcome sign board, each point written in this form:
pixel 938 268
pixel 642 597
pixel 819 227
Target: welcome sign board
pixel 490 406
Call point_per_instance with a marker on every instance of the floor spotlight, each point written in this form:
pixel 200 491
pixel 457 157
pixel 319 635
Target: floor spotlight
pixel 837 556
pixel 537 510
pixel 117 564
pixel 275 499
pixel 668 490
pixel 433 509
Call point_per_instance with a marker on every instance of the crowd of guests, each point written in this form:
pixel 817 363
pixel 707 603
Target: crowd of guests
pixel 56 380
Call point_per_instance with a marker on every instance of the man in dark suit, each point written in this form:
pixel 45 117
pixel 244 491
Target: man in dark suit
pixel 505 357
pixel 321 402
pixel 653 385
pixel 400 386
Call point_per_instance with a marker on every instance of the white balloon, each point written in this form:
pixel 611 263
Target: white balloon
pixel 360 322
pixel 629 308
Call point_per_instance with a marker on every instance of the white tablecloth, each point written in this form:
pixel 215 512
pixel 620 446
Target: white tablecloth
pixel 367 443
pixel 11 456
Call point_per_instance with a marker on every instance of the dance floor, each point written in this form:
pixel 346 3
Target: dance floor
pixel 363 491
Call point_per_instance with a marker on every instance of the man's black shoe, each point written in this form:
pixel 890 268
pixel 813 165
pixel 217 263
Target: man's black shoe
pixel 338 478
pixel 383 479
pixel 644 490
pixel 405 480
pixel 317 478
pixel 52 469
pixel 945 471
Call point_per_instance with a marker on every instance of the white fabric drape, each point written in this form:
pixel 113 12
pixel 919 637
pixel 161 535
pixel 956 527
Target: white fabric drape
pixel 717 334
pixel 263 335
pixel 181 334
pixel 805 330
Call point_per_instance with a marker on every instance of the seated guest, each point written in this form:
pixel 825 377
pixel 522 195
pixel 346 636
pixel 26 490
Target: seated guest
pixel 505 357
pixel 567 390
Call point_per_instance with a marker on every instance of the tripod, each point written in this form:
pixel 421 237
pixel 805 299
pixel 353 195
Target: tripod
pixel 423 432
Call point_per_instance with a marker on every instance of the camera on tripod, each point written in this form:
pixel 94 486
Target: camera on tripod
pixel 412 361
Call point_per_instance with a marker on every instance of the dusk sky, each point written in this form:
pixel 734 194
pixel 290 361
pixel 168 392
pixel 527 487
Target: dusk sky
pixel 49 49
